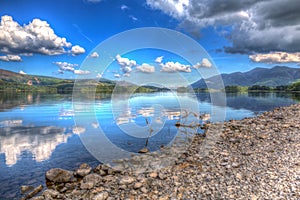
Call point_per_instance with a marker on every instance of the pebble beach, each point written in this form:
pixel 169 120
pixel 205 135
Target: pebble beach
pixel 254 158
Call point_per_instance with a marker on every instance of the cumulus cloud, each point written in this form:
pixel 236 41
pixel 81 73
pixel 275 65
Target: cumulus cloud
pixel 94 55
pixel 64 66
pixel 37 37
pixel 76 50
pixel 14 58
pixel 159 59
pixel 258 26
pixel 175 8
pixel 276 57
pixel 146 68
pixel 174 67
pixel 22 72
pixel 125 64
pixel 204 63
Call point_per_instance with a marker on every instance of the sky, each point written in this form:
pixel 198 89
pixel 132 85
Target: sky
pixel 54 38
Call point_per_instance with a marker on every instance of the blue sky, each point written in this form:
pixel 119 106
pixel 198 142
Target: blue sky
pixel 238 35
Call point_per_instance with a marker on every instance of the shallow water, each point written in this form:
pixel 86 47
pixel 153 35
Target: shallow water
pixel 37 132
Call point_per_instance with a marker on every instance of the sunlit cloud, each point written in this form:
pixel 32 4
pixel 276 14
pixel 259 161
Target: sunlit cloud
pixel 76 50
pixel 276 57
pixel 8 58
pixel 205 63
pixel 37 37
pixel 125 64
pixel 94 55
pixel 22 72
pixel 146 68
pixel 159 59
pixel 175 67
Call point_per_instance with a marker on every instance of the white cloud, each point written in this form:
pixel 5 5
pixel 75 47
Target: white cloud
pixel 175 8
pixel 64 66
pixel 276 57
pixel 146 68
pixel 205 63
pixel 133 18
pixel 94 55
pixel 81 72
pixel 159 59
pixel 125 64
pixel 175 67
pixel 117 75
pixel 76 50
pixel 37 37
pixel 14 58
pixel 124 7
pixel 99 75
pixel 22 72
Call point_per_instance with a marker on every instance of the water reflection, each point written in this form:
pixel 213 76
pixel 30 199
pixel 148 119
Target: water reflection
pixel 40 141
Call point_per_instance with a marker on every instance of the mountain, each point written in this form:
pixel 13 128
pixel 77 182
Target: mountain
pixel 278 75
pixel 12 77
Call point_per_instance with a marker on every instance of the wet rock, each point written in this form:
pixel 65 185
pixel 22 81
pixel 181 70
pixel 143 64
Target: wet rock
pixel 26 188
pixel 144 150
pixel 58 175
pixel 34 192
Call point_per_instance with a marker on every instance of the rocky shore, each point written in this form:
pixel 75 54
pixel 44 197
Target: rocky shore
pixel 254 158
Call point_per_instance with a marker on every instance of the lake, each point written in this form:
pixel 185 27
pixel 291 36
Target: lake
pixel 38 132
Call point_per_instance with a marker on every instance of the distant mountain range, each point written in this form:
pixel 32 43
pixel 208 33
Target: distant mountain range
pixel 278 75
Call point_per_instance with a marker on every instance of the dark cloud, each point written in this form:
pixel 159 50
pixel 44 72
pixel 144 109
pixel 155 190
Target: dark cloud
pixel 258 26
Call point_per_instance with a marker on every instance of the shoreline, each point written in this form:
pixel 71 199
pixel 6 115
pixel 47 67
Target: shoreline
pixel 254 158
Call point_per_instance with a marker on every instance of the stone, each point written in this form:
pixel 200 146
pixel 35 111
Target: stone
pixel 34 192
pixel 83 170
pixel 153 175
pixel 137 185
pixel 49 193
pixel 126 180
pixel 101 196
pixel 144 190
pixel 38 198
pixel 90 180
pixel 58 175
pixel 26 188
pixel 144 150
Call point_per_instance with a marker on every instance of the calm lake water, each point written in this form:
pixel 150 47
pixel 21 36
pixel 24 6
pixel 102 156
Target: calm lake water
pixel 37 132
